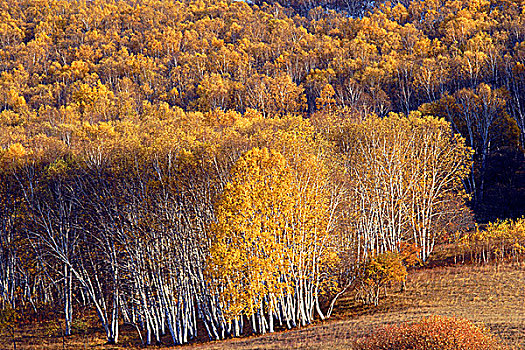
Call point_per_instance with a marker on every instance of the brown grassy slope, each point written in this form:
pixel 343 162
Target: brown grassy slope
pixel 482 294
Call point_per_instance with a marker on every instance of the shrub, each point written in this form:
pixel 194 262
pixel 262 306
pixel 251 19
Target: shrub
pixel 432 333
pixel 377 273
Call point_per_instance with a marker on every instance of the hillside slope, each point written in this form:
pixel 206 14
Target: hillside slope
pixel 482 294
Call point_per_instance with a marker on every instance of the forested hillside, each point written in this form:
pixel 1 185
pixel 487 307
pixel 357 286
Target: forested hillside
pixel 110 60
pixel 234 167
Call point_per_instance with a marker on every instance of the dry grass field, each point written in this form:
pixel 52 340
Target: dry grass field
pixel 486 295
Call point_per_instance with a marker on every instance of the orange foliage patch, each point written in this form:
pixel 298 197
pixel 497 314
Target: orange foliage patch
pixel 432 333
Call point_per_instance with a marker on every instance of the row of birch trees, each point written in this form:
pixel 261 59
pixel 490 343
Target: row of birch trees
pixel 174 223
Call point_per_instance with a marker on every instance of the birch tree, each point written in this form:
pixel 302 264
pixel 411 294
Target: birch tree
pixel 271 243
pixel 406 172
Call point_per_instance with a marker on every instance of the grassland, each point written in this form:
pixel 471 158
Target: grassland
pixel 493 296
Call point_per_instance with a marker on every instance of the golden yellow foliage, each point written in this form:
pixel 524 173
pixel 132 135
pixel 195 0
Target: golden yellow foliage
pixel 271 233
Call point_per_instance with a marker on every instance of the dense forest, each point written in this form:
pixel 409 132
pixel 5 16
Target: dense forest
pixel 234 167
